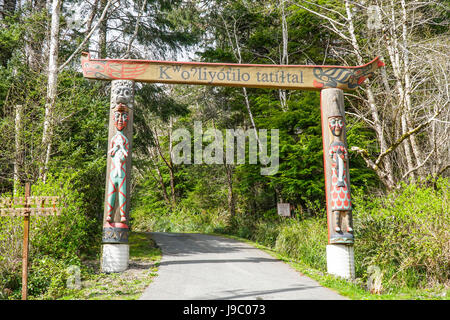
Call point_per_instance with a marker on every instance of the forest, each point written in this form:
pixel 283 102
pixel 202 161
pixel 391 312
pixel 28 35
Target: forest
pixel 54 130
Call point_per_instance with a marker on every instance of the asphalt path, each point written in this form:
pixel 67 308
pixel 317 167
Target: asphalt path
pixel 204 267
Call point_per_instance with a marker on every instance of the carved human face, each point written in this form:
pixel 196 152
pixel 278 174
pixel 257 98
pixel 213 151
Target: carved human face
pixel 120 119
pixel 336 124
pixel 122 93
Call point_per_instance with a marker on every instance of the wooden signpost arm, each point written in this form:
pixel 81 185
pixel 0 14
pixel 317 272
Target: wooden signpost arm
pixel 304 77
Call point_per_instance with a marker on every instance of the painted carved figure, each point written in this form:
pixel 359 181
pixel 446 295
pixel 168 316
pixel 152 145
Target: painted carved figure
pixel 119 153
pixel 340 190
pixel 118 150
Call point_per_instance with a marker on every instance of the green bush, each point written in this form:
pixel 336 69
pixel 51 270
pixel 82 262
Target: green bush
pixel 64 236
pixel 266 233
pixel 304 240
pixel 47 277
pixel 406 234
pixel 56 242
pixel 180 219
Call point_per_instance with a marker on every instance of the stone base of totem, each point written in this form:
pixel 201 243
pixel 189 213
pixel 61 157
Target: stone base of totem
pixel 341 261
pixel 115 257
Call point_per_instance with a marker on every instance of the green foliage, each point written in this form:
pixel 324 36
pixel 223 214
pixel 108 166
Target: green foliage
pixel 9 39
pixel 56 242
pixel 180 219
pixel 405 233
pixel 305 241
pixel 300 176
pixel 64 236
pixel 48 278
pixel 127 285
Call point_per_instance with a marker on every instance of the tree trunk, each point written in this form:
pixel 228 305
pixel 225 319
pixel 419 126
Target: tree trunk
pixel 154 155
pixel 407 81
pixel 378 127
pixel 33 50
pixel 18 150
pixel 102 32
pixel 169 164
pixel 171 168
pixel 231 197
pixel 284 55
pixel 9 7
pixel 52 83
pixel 91 19
pixel 163 187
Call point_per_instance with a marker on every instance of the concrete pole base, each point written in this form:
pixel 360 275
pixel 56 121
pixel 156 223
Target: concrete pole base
pixel 341 260
pixel 115 257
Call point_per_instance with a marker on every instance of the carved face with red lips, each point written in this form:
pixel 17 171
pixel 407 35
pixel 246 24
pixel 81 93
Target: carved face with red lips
pixel 336 124
pixel 121 117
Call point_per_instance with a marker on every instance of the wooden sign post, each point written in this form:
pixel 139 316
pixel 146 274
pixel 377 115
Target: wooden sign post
pixel 330 80
pixel 31 206
pixel 25 249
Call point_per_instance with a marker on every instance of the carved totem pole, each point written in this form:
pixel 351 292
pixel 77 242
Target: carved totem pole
pixel 117 191
pixel 337 181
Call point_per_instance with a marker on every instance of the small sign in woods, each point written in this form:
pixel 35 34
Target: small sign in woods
pixel 33 206
pixel 28 206
pixel 284 209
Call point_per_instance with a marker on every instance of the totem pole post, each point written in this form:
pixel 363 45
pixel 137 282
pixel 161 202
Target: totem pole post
pixel 115 249
pixel 340 256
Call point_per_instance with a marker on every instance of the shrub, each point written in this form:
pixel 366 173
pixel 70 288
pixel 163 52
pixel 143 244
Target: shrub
pixel 304 240
pixel 266 233
pixel 56 242
pixel 180 219
pixel 406 234
pixel 64 236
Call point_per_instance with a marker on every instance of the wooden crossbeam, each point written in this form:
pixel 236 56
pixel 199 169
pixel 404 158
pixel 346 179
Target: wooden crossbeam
pixel 305 77
pixel 17 212
pixel 32 206
pixel 29 201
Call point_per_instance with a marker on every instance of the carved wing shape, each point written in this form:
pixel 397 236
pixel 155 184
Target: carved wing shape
pixel 125 70
pixel 351 77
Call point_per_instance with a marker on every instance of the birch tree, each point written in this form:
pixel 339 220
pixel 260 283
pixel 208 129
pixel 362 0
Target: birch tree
pixel 407 104
pixel 52 84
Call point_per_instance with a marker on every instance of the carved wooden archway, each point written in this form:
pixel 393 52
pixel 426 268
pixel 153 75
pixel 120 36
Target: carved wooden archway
pixel 330 80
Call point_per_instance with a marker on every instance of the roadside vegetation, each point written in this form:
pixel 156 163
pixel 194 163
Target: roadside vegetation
pixel 57 279
pixel 127 285
pixel 401 248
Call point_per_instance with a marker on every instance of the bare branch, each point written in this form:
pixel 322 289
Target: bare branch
pixel 80 47
pixel 408 134
pixel 136 29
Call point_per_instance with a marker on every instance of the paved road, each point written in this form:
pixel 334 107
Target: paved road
pixel 204 267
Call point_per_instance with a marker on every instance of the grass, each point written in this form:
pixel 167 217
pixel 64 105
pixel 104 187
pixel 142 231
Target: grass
pixel 128 285
pixel 351 289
